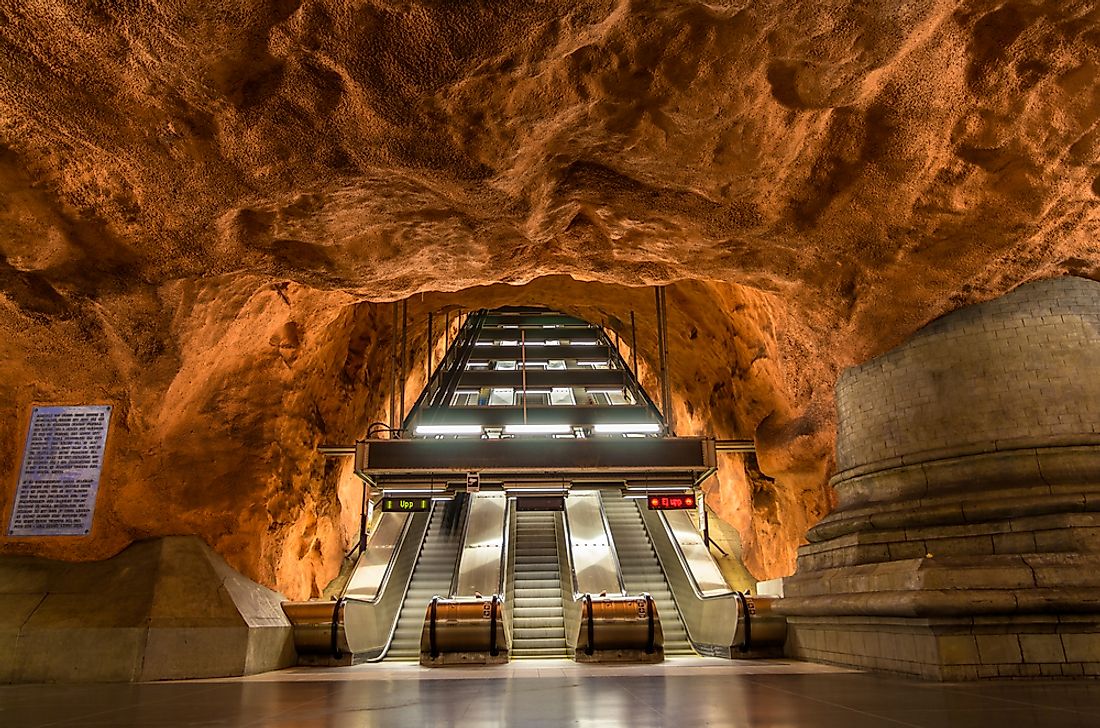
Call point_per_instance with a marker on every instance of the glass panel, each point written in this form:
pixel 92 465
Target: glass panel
pixel 502 397
pixel 465 398
pixel 617 397
pixel 504 365
pixel 533 398
pixel 562 396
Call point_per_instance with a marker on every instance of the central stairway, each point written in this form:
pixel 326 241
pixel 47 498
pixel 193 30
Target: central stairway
pixel 642 570
pixel 432 577
pixel 538 623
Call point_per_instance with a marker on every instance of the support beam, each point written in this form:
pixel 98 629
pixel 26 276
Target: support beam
pixel 404 355
pixel 431 344
pixel 634 344
pixel 393 371
pixel 662 348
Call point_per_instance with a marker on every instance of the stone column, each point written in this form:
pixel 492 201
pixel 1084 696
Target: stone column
pixel 966 543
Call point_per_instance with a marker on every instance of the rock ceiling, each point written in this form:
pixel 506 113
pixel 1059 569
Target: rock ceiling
pixel 193 196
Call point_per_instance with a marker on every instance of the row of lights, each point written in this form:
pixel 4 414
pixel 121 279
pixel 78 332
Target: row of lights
pixel 550 429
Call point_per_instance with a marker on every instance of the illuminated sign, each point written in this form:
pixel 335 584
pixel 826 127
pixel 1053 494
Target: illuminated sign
pixel 671 502
pixel 405 505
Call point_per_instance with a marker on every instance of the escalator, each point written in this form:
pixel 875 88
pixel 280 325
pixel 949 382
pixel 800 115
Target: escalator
pixel 642 570
pixel 537 617
pixel 434 571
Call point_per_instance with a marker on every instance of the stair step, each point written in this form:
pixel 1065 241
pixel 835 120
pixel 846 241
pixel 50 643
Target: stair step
pixel 527 634
pixel 538 624
pixel 538 611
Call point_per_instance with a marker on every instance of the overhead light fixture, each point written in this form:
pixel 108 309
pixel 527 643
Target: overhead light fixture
pixel 520 490
pixel 448 429
pixel 537 429
pixel 647 427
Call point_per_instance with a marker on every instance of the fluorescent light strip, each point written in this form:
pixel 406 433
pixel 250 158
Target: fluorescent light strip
pixel 537 429
pixel 622 429
pixel 448 429
pixel 529 491
pixel 620 390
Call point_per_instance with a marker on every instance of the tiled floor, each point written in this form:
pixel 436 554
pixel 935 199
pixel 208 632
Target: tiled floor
pixel 680 692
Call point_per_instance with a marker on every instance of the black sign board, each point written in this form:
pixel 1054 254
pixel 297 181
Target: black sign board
pixel 405 505
pixel 540 503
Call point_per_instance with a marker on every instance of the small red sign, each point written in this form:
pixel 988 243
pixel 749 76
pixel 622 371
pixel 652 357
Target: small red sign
pixel 671 502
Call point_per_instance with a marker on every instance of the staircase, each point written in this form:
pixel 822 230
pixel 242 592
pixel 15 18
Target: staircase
pixel 641 569
pixel 538 623
pixel 431 577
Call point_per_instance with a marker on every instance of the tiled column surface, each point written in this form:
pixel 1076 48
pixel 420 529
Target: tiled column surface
pixel 165 608
pixel 966 543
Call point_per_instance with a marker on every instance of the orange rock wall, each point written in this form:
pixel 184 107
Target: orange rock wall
pixel 202 208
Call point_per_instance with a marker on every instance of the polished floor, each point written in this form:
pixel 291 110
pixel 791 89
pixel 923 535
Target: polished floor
pixel 681 692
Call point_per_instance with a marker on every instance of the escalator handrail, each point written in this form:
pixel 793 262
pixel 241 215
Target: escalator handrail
pixel 747 642
pixel 591 646
pixel 501 582
pixel 334 637
pixel 504 546
pixel 611 543
pixel 453 588
pixel 651 633
pixel 577 593
pixel 434 609
pixel 493 626
pixel 687 568
pixel 384 582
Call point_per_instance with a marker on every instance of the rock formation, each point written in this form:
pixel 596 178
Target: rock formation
pixel 204 212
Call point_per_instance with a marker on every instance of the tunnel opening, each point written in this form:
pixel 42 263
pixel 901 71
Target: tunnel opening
pixel 574 498
pixel 726 380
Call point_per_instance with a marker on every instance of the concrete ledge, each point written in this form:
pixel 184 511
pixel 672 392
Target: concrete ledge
pixel 959 508
pixel 953 648
pixel 969 450
pixel 1051 465
pixel 167 608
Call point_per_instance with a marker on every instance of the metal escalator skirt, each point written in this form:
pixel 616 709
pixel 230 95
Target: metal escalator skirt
pixel 481 563
pixel 705 577
pixel 592 557
pixel 372 570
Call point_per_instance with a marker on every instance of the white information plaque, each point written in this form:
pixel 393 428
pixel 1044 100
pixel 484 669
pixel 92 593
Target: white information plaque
pixel 59 479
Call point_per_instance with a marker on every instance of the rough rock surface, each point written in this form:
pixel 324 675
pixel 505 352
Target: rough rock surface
pixel 198 207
